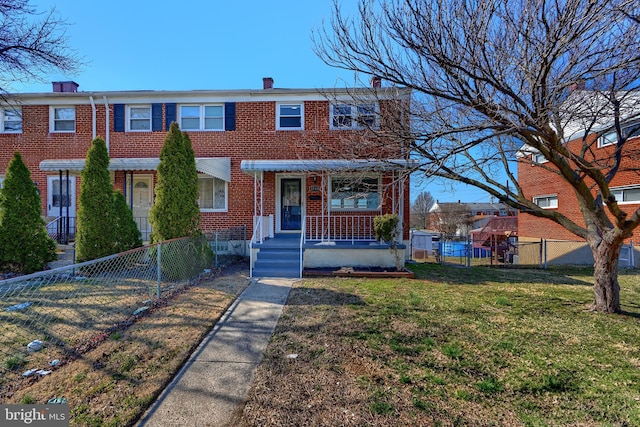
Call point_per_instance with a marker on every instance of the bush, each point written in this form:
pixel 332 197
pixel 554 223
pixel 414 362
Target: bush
pixel 175 212
pixel 385 227
pixel 95 233
pixel 127 235
pixel 25 245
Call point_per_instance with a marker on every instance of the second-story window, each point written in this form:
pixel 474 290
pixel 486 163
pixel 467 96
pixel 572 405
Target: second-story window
pixel 353 116
pixel 290 116
pixel 139 117
pixel 202 117
pixel 63 119
pixel 629 130
pixel 11 121
pixel 546 202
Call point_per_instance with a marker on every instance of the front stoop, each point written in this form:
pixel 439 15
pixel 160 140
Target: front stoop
pixel 278 257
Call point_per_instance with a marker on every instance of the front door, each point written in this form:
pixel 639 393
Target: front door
pixel 290 204
pixel 60 195
pixel 141 204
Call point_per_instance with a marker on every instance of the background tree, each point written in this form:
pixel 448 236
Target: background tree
pixel 95 231
pixel 31 44
pixel 420 210
pixel 452 219
pixel 491 77
pixel 127 235
pixel 25 246
pixel 175 212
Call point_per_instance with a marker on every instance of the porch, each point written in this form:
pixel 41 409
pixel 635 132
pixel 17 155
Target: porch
pixel 325 210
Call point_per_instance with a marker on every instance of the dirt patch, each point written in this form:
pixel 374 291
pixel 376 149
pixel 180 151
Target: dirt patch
pixel 117 375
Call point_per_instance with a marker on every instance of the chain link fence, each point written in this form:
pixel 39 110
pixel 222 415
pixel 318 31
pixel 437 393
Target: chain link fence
pixel 509 251
pixel 70 310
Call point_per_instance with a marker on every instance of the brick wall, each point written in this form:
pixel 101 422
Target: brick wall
pixel 255 137
pixel 537 181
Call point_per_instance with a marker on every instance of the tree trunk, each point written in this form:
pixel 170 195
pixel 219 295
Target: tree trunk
pixel 606 288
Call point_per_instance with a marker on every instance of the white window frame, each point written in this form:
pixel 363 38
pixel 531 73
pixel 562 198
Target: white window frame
pixel 226 194
pixel 611 137
pixel 550 198
pixel 3 119
pixel 354 115
pixel 538 158
pixel 279 115
pixel 202 117
pixel 53 121
pixel 129 118
pixel 621 191
pixel 354 203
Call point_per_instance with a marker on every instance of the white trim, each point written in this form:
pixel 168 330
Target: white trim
pixel 52 121
pixel 128 117
pixel 3 116
pixel 201 117
pixel 226 193
pixel 549 197
pixel 303 197
pixel 60 211
pixel 538 158
pixel 279 115
pixel 622 190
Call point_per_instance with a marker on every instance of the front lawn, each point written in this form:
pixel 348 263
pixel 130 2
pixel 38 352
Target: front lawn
pixel 456 346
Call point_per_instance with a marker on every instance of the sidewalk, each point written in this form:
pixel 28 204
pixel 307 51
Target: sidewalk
pixel 216 379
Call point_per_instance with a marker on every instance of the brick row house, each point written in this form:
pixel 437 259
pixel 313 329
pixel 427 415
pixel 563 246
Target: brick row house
pixel 548 191
pixel 268 159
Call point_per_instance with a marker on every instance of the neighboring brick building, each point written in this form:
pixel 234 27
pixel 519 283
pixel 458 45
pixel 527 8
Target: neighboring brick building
pixel 548 190
pixel 251 148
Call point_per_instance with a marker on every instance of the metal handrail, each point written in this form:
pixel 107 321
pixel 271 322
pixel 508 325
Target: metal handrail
pixel 303 239
pixel 257 226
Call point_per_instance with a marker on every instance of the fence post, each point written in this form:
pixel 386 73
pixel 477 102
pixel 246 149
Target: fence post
pixel 244 239
pixel 215 250
pixel 469 250
pixel 159 269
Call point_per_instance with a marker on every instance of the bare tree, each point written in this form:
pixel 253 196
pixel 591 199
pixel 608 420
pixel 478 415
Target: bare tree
pixel 452 219
pixel 492 80
pixel 32 44
pixel 420 210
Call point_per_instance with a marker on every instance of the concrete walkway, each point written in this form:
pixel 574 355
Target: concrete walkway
pixel 215 381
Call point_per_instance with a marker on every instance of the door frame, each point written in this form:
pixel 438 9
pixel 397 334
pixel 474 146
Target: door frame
pixel 303 196
pixel 72 196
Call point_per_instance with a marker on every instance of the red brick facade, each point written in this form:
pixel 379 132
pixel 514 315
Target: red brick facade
pixel 536 182
pixel 254 137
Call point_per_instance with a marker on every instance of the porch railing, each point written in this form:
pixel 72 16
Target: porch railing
pixel 62 229
pixel 350 228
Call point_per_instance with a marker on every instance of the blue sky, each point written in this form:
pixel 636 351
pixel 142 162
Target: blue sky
pixel 206 44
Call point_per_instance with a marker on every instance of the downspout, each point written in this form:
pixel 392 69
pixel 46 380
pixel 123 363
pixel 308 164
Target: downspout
pixel 106 121
pixel 93 118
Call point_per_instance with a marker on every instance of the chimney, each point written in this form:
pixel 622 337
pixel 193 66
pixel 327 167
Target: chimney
pixel 65 86
pixel 267 83
pixel 376 82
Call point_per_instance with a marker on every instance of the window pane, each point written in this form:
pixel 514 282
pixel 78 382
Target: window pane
pixel 341 110
pixel 65 114
pixel 213 111
pixel 64 125
pixel 141 113
pixel 290 122
pixel 289 110
pixel 220 196
pixel 13 120
pixel 213 123
pixel 188 123
pixel 356 193
pixel 631 195
pixel 205 191
pixel 190 111
pixel 140 125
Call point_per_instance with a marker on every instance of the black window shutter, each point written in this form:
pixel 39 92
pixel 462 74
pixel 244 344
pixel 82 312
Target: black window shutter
pixel 156 117
pixel 229 116
pixel 118 117
pixel 170 116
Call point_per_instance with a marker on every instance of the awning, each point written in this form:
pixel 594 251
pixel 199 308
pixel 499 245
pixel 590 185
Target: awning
pixel 219 167
pixel 253 167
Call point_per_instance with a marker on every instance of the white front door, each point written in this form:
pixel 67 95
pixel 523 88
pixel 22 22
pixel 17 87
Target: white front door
pixel 60 195
pixel 142 201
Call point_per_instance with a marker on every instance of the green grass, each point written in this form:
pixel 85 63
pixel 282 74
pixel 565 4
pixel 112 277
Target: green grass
pixel 472 346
